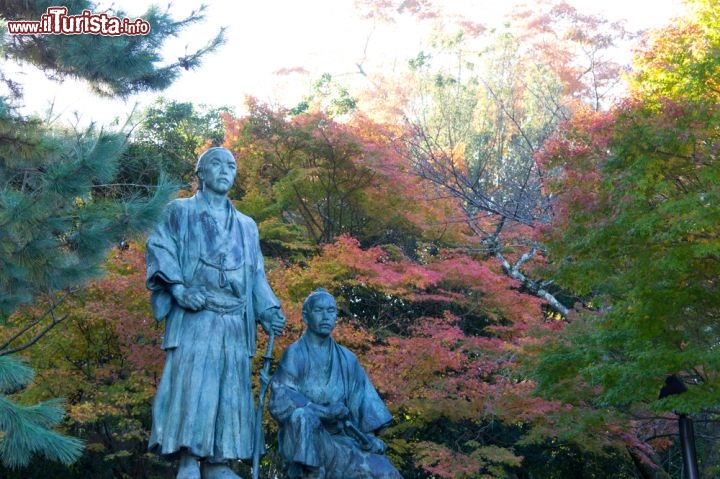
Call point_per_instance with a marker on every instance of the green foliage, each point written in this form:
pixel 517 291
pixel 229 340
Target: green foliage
pixel 681 59
pixel 328 96
pixel 636 237
pixel 651 266
pixel 55 228
pixel 314 173
pixel 26 430
pixel 168 141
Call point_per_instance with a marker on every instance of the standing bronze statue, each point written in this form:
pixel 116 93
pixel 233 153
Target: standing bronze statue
pixel 206 274
pixel 328 410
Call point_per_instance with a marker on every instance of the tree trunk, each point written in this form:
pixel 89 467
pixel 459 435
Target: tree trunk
pixel 647 465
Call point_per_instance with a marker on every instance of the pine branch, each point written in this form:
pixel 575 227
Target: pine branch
pixel 5 348
pixel 26 433
pixel 36 338
pixel 14 375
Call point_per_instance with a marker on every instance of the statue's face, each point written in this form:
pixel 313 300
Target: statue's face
pixel 218 172
pixel 321 316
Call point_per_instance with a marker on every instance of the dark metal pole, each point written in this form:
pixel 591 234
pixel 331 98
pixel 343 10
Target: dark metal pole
pixel 687 443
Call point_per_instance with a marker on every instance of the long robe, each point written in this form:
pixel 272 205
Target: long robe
pixel 306 441
pixel 204 400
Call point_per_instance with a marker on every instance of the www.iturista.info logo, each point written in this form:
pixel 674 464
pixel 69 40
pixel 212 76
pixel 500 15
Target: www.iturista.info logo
pixel 57 22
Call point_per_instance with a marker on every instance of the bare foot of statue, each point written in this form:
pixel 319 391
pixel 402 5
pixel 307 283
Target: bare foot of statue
pixel 219 471
pixel 189 467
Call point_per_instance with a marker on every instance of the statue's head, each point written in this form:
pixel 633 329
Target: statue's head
pixel 319 312
pixel 208 157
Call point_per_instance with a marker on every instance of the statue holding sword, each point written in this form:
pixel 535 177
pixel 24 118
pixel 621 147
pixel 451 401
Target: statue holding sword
pixel 206 274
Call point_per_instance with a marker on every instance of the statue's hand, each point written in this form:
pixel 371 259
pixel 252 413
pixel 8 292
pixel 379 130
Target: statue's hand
pixel 338 411
pixel 331 412
pixel 273 320
pixel 377 445
pixel 192 298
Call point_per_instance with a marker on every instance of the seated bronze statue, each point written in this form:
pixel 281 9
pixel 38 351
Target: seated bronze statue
pixel 328 410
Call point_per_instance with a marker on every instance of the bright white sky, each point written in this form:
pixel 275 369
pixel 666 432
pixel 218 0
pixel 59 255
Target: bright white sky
pixel 265 36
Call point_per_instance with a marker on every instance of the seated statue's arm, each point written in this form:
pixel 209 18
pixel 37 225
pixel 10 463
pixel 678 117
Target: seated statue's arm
pixel 330 412
pixel 284 397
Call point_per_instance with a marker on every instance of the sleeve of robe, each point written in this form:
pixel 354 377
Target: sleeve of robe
pixel 285 396
pixel 162 258
pixel 367 409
